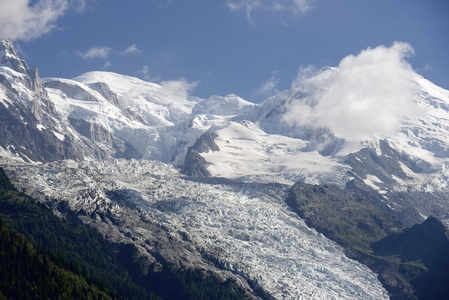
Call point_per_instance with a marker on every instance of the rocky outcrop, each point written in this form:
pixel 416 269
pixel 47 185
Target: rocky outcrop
pixel 411 264
pixel 72 91
pixel 97 133
pixel 381 176
pixel 106 92
pixel 195 165
pixel 10 56
pixel 30 128
pixel 423 253
pixel 343 215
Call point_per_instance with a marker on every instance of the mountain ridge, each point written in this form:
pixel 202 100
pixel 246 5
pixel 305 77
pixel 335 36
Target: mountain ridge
pixel 110 148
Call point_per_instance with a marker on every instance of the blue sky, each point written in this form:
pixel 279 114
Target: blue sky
pixel 252 48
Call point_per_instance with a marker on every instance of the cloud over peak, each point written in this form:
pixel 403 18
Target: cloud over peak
pixel 367 95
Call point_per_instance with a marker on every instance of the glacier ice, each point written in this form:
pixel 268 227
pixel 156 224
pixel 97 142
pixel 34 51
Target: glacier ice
pixel 243 228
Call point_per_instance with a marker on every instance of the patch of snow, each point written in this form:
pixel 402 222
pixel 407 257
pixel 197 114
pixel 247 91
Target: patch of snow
pixel 371 181
pixel 40 127
pixel 3 97
pixel 60 136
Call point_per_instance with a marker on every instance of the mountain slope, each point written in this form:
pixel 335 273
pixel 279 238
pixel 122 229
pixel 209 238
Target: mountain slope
pixel 402 169
pixel 97 146
pixel 422 253
pixel 48 257
pixel 30 128
pixel 233 229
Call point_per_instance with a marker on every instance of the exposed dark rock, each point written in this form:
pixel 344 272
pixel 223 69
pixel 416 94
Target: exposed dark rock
pixel 350 219
pixel 97 133
pixel 30 143
pixel 105 91
pixel 423 254
pixel 407 206
pixel 205 143
pixel 132 114
pixel 12 57
pixel 71 90
pixel 344 215
pixel 29 125
pixel 195 165
pixel 411 264
pixel 383 166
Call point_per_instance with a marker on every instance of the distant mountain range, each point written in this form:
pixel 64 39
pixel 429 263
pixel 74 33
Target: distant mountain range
pixel 211 176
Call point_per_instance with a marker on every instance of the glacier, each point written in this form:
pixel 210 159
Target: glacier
pixel 243 228
pixel 112 149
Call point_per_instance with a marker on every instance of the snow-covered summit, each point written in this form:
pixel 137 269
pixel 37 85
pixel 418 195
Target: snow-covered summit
pixel 382 138
pixel 335 126
pixel 354 125
pixel 168 102
pixel 10 57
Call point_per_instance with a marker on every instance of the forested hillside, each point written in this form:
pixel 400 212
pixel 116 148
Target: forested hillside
pixel 43 256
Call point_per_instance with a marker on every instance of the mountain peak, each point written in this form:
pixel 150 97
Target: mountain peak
pixel 10 57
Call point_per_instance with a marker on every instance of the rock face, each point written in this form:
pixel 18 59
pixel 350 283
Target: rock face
pixel 100 143
pixel 423 251
pixel 377 173
pixel 195 165
pixel 412 264
pixel 349 218
pixel 30 126
pixel 344 215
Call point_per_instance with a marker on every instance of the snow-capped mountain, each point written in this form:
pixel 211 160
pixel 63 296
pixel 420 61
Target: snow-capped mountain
pixel 121 152
pixel 30 126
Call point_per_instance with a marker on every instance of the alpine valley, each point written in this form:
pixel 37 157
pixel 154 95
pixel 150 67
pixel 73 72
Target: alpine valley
pixel 275 197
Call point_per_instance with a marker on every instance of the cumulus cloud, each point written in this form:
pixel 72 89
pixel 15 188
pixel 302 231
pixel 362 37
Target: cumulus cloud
pixel 95 52
pixel 131 50
pixel 22 20
pixel 249 6
pixel 367 95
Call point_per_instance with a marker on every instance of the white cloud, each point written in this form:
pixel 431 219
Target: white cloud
pixel 245 5
pixel 301 6
pixel 269 87
pixel 368 95
pixel 145 72
pixel 78 5
pixel 107 65
pixel 304 73
pixel 178 88
pixel 131 50
pixel 21 20
pixel 95 52
pixel 249 6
